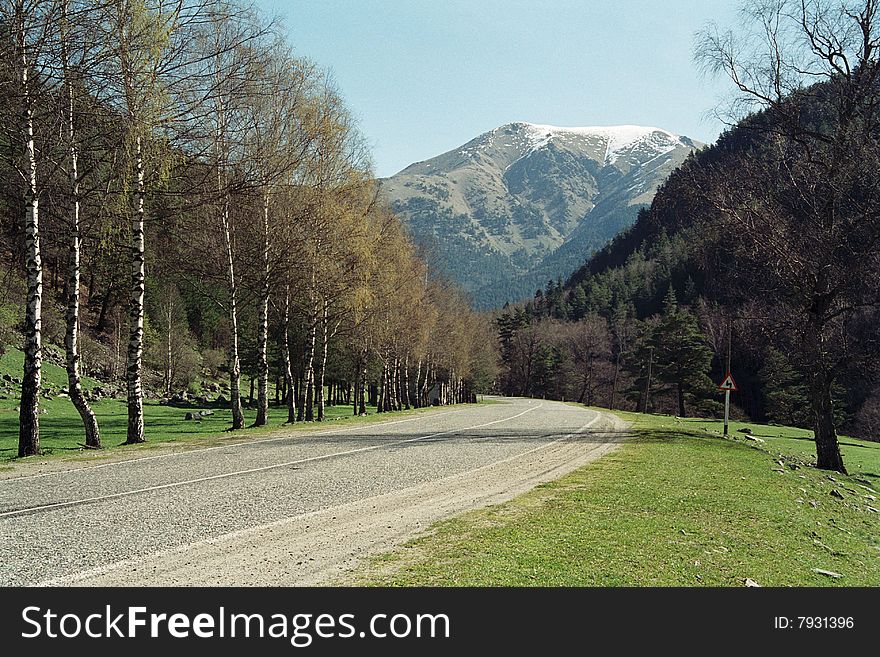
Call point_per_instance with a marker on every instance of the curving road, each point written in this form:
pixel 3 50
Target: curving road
pixel 286 510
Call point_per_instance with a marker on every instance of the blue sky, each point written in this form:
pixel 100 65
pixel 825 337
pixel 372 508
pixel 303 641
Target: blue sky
pixel 422 77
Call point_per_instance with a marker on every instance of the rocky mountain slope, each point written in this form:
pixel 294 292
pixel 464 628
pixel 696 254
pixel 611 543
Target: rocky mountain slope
pixel 524 203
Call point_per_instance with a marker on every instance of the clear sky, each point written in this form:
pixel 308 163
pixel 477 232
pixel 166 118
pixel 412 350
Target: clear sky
pixel 424 76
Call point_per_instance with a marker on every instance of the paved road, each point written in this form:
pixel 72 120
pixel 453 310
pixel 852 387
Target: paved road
pixel 295 509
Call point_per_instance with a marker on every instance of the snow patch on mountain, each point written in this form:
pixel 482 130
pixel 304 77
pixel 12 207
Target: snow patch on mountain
pixel 618 139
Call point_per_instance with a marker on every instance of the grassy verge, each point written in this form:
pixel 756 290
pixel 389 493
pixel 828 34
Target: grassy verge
pixel 678 505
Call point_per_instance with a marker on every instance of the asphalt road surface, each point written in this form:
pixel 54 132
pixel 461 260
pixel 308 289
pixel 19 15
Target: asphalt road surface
pixel 286 510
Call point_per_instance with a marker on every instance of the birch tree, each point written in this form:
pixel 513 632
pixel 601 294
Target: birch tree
pixel 73 32
pixel 278 137
pixel 29 24
pixel 146 47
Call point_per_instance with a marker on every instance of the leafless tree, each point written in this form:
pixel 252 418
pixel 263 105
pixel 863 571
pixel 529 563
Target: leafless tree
pixel 804 205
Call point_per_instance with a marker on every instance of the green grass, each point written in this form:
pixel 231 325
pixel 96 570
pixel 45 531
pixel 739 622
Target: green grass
pixel 61 433
pixel 12 363
pixel 677 505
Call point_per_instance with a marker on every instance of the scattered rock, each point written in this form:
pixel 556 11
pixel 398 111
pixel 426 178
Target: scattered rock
pixel 205 413
pixel 751 583
pixel 827 573
pixel 745 430
pixel 814 504
pixel 193 416
pixel 836 493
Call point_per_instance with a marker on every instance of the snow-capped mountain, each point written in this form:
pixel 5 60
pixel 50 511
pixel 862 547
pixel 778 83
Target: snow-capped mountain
pixel 525 202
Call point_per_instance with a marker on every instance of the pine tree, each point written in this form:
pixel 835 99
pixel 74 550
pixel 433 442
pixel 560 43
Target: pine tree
pixel 681 356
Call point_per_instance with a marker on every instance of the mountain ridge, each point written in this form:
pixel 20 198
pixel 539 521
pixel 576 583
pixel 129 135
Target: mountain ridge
pixel 525 202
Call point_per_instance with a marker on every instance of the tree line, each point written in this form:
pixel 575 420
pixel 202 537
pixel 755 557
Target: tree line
pixel 182 192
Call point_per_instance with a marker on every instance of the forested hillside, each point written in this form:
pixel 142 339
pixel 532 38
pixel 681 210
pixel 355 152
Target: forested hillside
pixel 185 201
pixel 764 244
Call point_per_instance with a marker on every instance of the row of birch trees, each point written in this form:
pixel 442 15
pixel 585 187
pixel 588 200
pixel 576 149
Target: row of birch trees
pixel 161 147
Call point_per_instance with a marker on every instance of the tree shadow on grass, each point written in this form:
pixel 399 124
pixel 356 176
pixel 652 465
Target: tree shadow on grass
pixel 810 439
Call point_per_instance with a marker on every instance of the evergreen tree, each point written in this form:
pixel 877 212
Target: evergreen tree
pixel 682 357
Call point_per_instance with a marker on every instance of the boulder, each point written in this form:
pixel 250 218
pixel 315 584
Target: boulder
pixel 193 416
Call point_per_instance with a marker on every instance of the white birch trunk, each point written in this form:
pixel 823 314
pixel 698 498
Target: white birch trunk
pixel 71 337
pixel 29 412
pixel 309 411
pixel 169 344
pixel 319 386
pixel 288 369
pixel 234 360
pixel 134 367
pixel 263 326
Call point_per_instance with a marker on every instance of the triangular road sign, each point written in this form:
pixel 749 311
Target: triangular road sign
pixel 728 383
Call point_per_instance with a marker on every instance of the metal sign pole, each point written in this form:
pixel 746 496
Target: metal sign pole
pixel 726 410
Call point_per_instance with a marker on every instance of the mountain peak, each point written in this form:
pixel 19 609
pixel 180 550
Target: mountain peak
pixel 618 139
pixel 525 202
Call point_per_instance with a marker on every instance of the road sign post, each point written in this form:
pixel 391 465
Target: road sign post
pixel 726 410
pixel 727 386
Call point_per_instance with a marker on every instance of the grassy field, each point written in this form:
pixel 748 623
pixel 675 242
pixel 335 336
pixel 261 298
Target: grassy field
pixel 678 505
pixel 61 431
